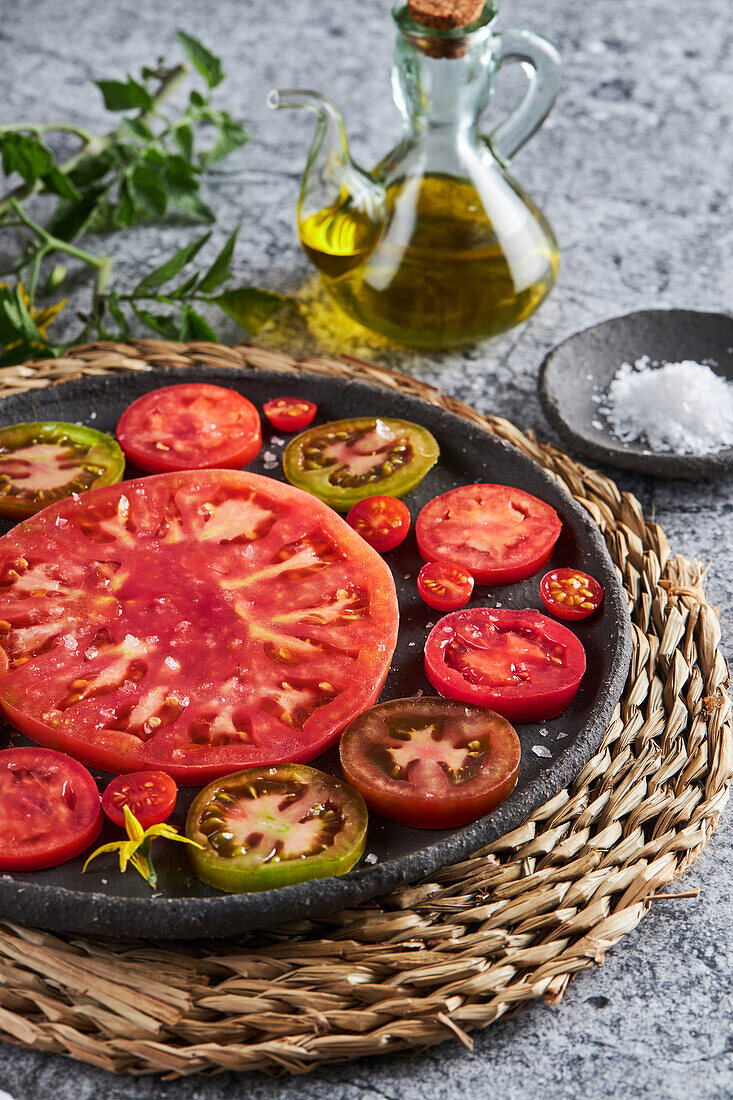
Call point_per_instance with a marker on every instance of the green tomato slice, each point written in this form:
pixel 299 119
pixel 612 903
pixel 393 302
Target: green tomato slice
pixel 345 461
pixel 268 827
pixel 44 462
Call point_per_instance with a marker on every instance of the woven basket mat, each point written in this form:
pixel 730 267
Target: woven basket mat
pixel 455 953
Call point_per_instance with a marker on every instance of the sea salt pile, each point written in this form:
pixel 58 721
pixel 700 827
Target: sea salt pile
pixel 682 407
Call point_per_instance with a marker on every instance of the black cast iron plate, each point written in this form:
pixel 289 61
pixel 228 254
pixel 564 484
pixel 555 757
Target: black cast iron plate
pixel 104 902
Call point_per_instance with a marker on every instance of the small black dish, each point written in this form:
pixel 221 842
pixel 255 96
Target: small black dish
pixel 583 366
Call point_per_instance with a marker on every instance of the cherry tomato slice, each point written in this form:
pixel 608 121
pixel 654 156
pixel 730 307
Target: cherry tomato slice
pixel 444 585
pixel 520 663
pixel 269 827
pixel 570 593
pixel 49 809
pixel 289 414
pixel 150 795
pixel 430 763
pixel 44 462
pixel 383 522
pixel 498 533
pixel 190 426
pixel 344 461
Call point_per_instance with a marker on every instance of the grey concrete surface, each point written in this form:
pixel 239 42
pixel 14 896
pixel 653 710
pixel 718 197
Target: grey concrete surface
pixel 633 169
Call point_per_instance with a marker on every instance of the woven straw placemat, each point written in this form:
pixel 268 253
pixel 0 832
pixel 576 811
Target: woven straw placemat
pixel 438 959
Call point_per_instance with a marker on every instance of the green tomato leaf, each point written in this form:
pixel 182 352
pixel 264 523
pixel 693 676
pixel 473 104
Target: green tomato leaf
pixel 25 155
pixel 70 219
pixel 183 138
pixel 148 190
pixel 119 96
pixel 165 326
pixel 202 59
pixel 251 307
pixel 115 309
pixel 171 267
pixel 92 168
pixel 16 322
pixel 220 270
pixel 232 135
pixel 56 181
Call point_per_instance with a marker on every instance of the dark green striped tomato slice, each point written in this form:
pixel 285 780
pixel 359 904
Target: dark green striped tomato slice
pixel 44 462
pixel 268 827
pixel 429 762
pixel 345 461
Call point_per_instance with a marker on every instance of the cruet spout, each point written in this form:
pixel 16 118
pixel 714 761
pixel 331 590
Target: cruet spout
pixel 331 180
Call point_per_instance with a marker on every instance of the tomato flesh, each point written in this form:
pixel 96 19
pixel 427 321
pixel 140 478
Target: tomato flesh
pixel 49 809
pixel 444 585
pixel 430 763
pixel 520 663
pixel 498 533
pixel 344 461
pixel 383 522
pixel 570 594
pixel 190 426
pixel 151 797
pixel 44 462
pixel 269 827
pixel 194 623
pixel 289 414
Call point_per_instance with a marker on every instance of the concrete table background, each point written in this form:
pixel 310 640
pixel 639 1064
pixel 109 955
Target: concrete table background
pixel 633 169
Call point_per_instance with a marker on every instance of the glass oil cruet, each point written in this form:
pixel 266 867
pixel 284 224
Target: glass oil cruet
pixel 438 246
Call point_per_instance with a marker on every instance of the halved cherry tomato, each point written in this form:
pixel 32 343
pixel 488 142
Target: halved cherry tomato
pixel 190 426
pixel 194 623
pixel 150 795
pixel 269 827
pixel 430 763
pixel 289 414
pixel 49 809
pixel 520 663
pixel 570 593
pixel 444 585
pixel 344 461
pixel 498 533
pixel 43 462
pixel 383 522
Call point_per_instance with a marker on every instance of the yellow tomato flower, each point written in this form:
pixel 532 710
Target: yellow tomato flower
pixel 136 850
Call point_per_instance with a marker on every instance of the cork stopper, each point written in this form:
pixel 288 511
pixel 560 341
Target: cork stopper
pixel 445 14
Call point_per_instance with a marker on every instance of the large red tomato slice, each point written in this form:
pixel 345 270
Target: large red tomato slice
pixel 499 534
pixel 190 426
pixel 49 809
pixel 520 663
pixel 196 623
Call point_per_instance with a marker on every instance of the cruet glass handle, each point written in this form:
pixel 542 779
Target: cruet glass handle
pixel 541 62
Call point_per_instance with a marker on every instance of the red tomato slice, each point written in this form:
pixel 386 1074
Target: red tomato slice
pixel 570 593
pixel 444 585
pixel 499 534
pixel 289 414
pixel 49 809
pixel 195 623
pixel 520 663
pixel 383 522
pixel 190 426
pixel 430 763
pixel 150 795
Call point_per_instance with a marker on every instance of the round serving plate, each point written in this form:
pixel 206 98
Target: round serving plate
pixel 105 902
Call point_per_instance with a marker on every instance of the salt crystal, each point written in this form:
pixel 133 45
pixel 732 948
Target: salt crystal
pixel 277 440
pixel 561 737
pixel 371 858
pixel 92 416
pixel 684 407
pixel 543 731
pixel 540 750
pixel 270 456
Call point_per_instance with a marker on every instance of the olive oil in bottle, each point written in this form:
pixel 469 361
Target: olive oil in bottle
pixel 436 271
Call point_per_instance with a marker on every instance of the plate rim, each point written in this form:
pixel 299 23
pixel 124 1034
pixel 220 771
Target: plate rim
pixel 228 914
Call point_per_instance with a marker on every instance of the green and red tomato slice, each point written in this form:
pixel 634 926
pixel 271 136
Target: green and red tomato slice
pixel 190 426
pixel 520 663
pixel 430 763
pixel 344 461
pixel 570 594
pixel 444 586
pixel 49 809
pixel 193 623
pixel 150 796
pixel 264 828
pixel 289 414
pixel 383 522
pixel 498 533
pixel 44 462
